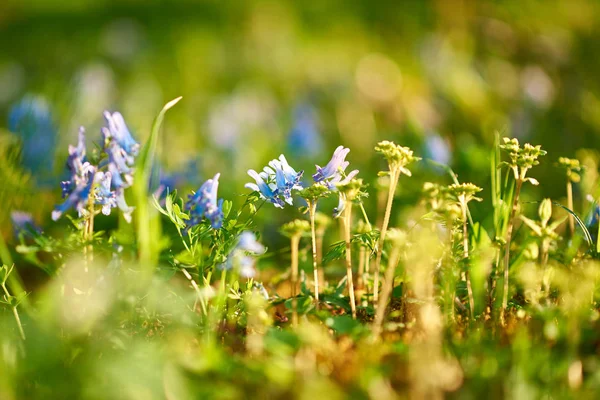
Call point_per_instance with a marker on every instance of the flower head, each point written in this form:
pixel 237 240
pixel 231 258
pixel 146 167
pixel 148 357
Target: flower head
pixel 398 157
pixel 117 129
pixel 332 173
pixel 204 203
pixel 78 195
pixel 276 182
pixel 264 189
pixel 296 227
pixel 573 168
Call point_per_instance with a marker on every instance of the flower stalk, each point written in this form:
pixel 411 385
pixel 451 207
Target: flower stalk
pixel 398 158
pixel 521 160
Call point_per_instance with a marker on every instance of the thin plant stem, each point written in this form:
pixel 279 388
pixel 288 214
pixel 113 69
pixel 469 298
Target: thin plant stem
pixel 386 220
pixel 347 223
pixel 386 291
pixel 15 312
pixel 361 268
pixel 570 206
pixel 295 241
pixel 507 248
pixel 312 208
pixel 364 213
pixel 201 298
pixel 466 258
pixel 320 233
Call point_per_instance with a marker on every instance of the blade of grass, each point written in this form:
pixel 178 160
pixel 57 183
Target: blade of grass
pixel 148 254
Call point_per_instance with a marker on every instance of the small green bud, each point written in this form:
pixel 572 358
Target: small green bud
pixel 545 211
pixel 295 227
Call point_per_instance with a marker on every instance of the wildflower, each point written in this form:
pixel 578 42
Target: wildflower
pixel 437 149
pixel 398 157
pixel 573 168
pixel 78 196
pixel 247 242
pixel 78 188
pixel 204 203
pixel 122 204
pixel 242 255
pixel 304 137
pixel 332 173
pixel 108 180
pixel 349 190
pixel 119 162
pixel 31 120
pixel 522 158
pixel 103 195
pixel 23 223
pixel 286 178
pixel 117 129
pixel 266 191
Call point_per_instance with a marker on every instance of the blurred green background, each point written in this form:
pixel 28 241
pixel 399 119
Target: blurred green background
pixel 260 78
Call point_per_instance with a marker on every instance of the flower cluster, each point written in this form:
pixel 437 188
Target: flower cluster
pixel 204 203
pixel 103 185
pixel 276 182
pixel 573 168
pixel 523 157
pixel 463 193
pixel 398 157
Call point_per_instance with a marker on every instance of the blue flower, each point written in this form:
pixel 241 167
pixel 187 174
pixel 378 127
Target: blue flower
pixel 78 188
pixel 103 195
pixel 119 162
pixel 122 204
pixel 263 188
pixel 276 180
pixel 247 242
pixel 204 203
pixel 332 172
pixel 78 197
pixel 31 120
pixel 117 129
pixel 437 149
pixel 108 198
pixel 304 138
pixel 243 255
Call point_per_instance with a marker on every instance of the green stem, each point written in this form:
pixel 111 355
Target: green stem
pixel 295 242
pixel 466 258
pixel 312 208
pixel 15 312
pixel 15 283
pixel 507 248
pixel 386 219
pixel 386 291
pixel 347 222
pixel 364 213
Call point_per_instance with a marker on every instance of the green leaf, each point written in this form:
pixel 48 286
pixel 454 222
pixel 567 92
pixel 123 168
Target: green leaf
pixel 336 251
pixel 343 325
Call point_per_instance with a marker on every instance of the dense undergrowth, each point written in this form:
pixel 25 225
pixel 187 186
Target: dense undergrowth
pixel 170 304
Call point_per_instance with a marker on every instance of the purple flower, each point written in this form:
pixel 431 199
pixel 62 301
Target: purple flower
pixel 277 180
pixel 204 203
pixel 332 173
pixel 78 197
pixel 23 223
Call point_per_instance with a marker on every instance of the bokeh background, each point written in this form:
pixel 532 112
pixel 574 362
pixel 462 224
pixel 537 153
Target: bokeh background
pixel 260 78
